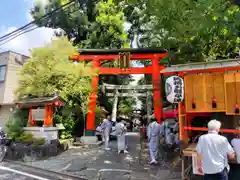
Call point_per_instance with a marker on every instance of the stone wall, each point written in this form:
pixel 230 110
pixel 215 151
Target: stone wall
pixel 25 152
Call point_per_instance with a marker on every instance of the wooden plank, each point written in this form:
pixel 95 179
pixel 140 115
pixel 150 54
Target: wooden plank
pixel 188 92
pixel 194 91
pixel 191 151
pixel 232 93
pixel 215 88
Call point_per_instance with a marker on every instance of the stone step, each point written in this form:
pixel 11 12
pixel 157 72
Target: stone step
pixel 78 143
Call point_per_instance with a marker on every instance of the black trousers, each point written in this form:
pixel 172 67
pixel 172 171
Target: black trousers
pixel 218 176
pixel 234 173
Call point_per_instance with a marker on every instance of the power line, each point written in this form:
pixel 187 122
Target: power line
pixel 36 20
pixel 18 35
pixel 27 30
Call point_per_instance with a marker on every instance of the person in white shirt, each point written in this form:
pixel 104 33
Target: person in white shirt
pixel 121 140
pixel 236 145
pixel 106 127
pixel 153 133
pixel 213 151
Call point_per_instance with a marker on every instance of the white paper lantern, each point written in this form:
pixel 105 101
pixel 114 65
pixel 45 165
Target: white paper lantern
pixel 174 88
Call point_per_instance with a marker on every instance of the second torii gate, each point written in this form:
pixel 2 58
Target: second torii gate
pixel 123 56
pixel 134 93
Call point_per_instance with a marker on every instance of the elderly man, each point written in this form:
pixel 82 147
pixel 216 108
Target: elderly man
pixel 213 152
pixel 153 133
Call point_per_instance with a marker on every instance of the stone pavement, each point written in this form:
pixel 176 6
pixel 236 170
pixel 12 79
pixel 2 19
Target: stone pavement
pixel 96 163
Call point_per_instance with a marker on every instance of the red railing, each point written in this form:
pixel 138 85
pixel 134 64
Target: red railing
pixel 189 128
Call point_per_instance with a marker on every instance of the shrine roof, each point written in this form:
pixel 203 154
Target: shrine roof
pixel 116 51
pixel 203 66
pixel 39 101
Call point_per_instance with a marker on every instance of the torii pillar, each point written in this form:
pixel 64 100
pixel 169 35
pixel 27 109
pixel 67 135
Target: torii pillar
pixel 90 125
pixel 156 81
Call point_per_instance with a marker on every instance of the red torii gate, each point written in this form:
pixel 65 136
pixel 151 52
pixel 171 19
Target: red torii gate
pixel 98 55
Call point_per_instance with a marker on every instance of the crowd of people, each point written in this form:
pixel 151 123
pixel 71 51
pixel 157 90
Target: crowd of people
pixel 120 128
pixel 213 150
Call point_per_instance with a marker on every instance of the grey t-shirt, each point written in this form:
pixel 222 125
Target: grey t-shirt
pixel 214 149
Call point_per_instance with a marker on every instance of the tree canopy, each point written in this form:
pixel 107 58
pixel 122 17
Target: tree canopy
pixel 190 30
pixel 89 24
pixel 49 71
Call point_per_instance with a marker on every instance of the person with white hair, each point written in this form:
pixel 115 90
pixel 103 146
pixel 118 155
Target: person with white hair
pixel 213 151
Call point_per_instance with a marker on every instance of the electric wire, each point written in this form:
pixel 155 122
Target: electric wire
pixel 31 26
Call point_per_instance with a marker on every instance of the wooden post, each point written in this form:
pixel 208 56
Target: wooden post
pixel 156 81
pixel 48 120
pixel 183 135
pixel 30 123
pixel 90 124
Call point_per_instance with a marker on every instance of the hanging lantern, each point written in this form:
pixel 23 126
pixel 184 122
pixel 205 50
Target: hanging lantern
pixel 174 88
pixel 193 104
pixel 214 102
pixel 236 109
pixel 56 103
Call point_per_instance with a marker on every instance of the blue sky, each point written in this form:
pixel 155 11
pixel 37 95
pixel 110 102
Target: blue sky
pixel 15 14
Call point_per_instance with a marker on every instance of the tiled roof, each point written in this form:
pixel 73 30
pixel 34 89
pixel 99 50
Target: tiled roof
pixel 203 65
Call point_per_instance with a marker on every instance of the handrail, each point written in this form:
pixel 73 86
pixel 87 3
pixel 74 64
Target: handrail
pixel 189 128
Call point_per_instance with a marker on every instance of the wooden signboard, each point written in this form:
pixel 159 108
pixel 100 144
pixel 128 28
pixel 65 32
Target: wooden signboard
pixel 38 114
pixel 202 90
pixel 232 92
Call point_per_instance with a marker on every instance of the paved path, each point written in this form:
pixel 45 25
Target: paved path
pixel 96 163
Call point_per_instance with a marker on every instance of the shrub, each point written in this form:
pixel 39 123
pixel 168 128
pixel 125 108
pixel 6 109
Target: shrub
pixel 39 141
pixel 14 128
pixel 18 120
pixel 29 139
pixel 68 122
pixel 25 137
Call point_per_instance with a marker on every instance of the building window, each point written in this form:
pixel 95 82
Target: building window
pixel 2 72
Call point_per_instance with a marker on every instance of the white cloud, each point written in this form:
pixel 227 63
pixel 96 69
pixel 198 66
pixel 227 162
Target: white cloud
pixel 23 43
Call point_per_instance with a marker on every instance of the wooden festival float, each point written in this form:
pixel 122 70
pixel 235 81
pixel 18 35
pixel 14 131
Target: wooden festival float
pixel 209 88
pixel 40 121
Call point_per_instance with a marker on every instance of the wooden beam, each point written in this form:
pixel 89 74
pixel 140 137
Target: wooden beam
pixel 127 94
pixel 128 87
pixel 116 57
pixel 131 70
